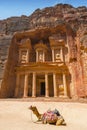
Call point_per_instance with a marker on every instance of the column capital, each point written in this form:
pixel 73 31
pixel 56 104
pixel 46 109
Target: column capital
pixel 34 73
pixel 46 73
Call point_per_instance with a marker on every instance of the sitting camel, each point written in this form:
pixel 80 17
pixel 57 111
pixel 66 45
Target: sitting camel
pixel 51 117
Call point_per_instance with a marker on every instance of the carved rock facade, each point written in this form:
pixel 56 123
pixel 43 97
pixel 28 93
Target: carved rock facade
pixel 47 60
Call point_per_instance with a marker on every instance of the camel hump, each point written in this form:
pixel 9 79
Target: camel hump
pixel 49 117
pixel 56 112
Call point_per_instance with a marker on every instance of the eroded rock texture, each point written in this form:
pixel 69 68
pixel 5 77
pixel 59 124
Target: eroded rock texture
pixel 65 17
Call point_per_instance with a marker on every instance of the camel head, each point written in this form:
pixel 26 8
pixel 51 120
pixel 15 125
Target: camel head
pixel 33 108
pixel 35 111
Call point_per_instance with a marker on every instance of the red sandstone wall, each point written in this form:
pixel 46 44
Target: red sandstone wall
pixel 8 83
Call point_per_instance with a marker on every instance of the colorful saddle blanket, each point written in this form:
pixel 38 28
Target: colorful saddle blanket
pixel 50 116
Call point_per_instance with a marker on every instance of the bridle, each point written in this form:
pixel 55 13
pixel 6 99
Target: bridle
pixel 35 121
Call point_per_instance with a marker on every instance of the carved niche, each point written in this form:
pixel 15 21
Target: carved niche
pixel 40 56
pixel 23 57
pixel 57 56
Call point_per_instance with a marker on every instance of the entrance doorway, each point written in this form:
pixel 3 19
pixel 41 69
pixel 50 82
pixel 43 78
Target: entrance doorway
pixel 42 90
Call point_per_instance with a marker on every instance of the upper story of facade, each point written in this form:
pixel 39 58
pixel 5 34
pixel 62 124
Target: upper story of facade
pixel 50 49
pixel 45 45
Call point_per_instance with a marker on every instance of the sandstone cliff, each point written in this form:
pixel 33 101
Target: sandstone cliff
pixel 45 17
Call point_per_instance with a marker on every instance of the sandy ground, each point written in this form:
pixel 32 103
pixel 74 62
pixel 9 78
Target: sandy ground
pixel 14 115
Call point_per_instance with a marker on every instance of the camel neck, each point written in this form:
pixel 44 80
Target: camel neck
pixel 37 113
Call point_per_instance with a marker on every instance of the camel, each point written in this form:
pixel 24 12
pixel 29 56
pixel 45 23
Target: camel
pixel 51 117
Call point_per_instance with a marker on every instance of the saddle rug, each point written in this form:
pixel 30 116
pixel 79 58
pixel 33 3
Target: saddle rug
pixel 49 117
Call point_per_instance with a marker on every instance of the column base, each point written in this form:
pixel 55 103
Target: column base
pixel 55 96
pixel 33 96
pixel 47 96
pixel 63 96
pixel 25 96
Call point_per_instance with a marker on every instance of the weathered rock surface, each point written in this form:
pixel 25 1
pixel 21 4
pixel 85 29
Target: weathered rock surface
pixel 4 48
pixel 45 17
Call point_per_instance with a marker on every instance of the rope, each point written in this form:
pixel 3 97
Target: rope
pixel 34 121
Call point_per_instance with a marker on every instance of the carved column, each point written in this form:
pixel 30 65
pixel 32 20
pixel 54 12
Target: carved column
pixel 27 56
pixel 19 55
pixel 17 85
pixel 62 54
pixel 55 85
pixel 34 85
pixel 26 86
pixel 65 85
pixel 43 56
pixel 47 86
pixel 53 55
pixel 36 56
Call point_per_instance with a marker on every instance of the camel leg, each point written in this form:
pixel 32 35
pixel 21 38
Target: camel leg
pixel 60 121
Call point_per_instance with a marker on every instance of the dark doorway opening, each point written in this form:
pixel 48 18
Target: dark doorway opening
pixel 42 88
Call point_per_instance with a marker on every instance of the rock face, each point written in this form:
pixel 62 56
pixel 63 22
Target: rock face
pixel 60 15
pixel 4 49
pixel 46 17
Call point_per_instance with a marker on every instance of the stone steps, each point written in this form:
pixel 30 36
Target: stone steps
pixel 43 99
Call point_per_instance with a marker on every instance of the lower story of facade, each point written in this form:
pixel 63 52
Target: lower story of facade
pixel 42 84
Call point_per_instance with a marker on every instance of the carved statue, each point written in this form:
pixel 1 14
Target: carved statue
pixel 23 56
pixel 41 57
pixel 51 117
pixel 57 56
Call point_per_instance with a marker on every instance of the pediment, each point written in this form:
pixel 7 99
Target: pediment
pixel 25 43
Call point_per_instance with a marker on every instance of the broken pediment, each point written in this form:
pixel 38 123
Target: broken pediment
pixel 25 43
